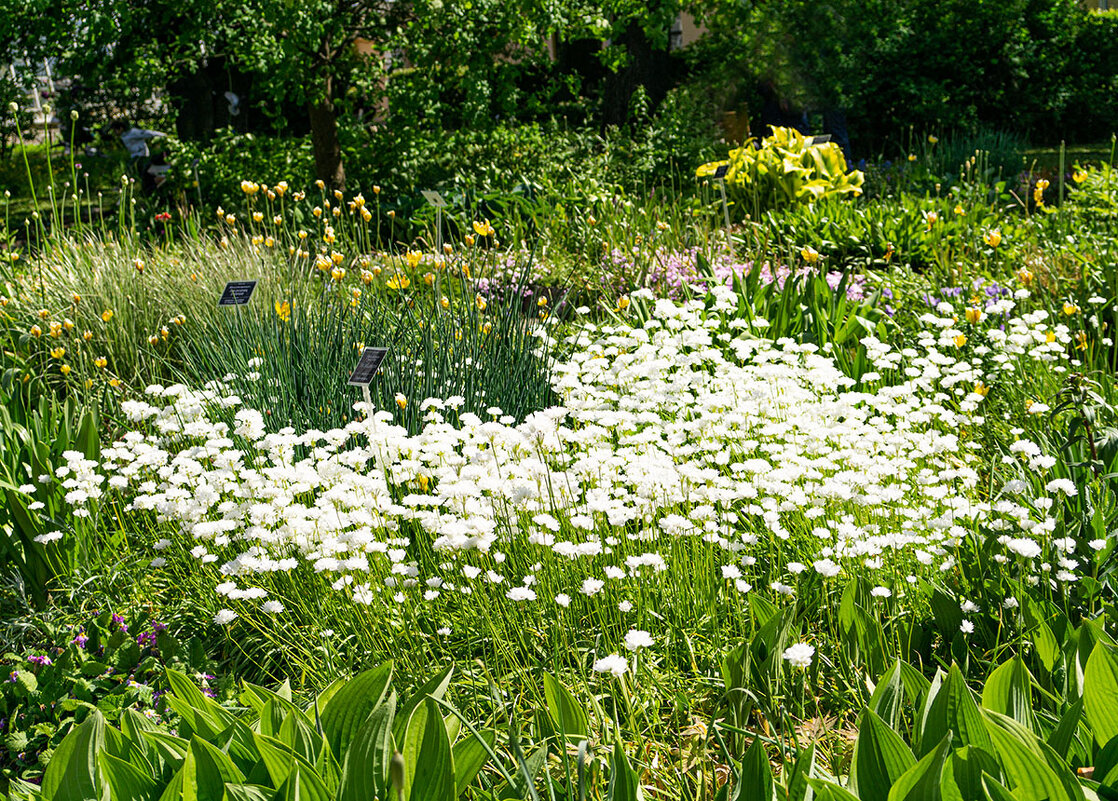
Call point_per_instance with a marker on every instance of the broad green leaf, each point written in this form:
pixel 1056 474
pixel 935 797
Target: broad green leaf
pixel 756 774
pixel 433 769
pixel 1028 774
pixel 803 769
pixel 365 768
pixel 953 709
pixel 1100 694
pixel 248 792
pixel 277 758
pixel 624 784
pixel 1008 690
pixel 349 707
pixel 469 758
pixel 303 784
pixel 72 773
pixel 962 773
pixel 125 781
pixel 1061 737
pixel 567 714
pixel 921 782
pixel 880 759
pixel 829 791
pixel 205 772
pixel 434 687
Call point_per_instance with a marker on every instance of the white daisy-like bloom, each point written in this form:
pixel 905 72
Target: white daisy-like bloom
pixel 799 655
pixel 636 639
pixel 614 663
pixel 966 627
pixel 224 617
pixel 271 607
pixel 563 600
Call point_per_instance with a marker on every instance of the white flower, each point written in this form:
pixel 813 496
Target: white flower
pixel 881 592
pixel 51 536
pixel 614 663
pixel 966 627
pixel 224 617
pixel 968 606
pixel 730 572
pixel 521 594
pixel 443 632
pixel 563 600
pixel 1023 546
pixel 636 638
pixel 799 655
pixel 624 606
pixel 591 586
pixel 826 568
pixel 272 607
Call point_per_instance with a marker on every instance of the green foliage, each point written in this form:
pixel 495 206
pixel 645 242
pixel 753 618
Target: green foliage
pixel 351 743
pixel 39 536
pixel 786 170
pixel 109 664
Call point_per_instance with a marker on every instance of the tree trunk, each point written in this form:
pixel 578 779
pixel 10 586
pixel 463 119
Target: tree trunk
pixel 324 139
pixel 645 66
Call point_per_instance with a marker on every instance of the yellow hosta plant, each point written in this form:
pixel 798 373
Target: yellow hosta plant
pixel 787 169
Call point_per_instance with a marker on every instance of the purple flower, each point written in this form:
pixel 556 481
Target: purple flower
pixel 41 661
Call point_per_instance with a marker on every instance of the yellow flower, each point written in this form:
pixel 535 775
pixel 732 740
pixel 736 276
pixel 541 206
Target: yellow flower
pixel 912 157
pixel 249 188
pixel 164 332
pixel 366 215
pixel 376 189
pixel 366 277
pixel 1079 176
pixel 302 235
pixel 101 362
pixel 542 301
pixel 65 369
pixel 338 273
pixel 230 219
pixel 154 339
pixel 1025 276
pixel 269 242
pixel 89 383
pixel 336 257
pixel 1050 337
pixel 932 139
pixel 392 214
pixel 56 329
pixel 114 382
pixel 809 254
pixel 980 389
pixel 973 314
pixel 930 217
pixel 486 327
pixel 993 237
pixel 398 282
pixel 1081 340
pixel 1042 184
pixel 68 324
pixel 959 209
pixel 1029 403
pixel 591 221
pixel 960 340
pixel 1070 308
pixel 413 258
pixel 317 211
pixel 283 310
pixel 76 298
pixel 57 353
pixel 401 401
pixel 429 279
pixel 280 188
pixel 179 319
pixel 483 228
pixel 622 303
pixel 444 301
pixel 87 335
pixel 258 216
pixel 480 302
pixel 320 184
pixel 469 240
pixel 338 194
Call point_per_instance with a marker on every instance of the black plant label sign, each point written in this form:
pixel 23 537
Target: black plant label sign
pixel 237 293
pixel 720 171
pixel 367 366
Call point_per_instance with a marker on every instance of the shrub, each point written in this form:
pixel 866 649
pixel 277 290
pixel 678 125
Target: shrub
pixel 786 170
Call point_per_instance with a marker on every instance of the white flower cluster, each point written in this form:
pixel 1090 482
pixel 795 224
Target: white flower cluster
pixel 684 429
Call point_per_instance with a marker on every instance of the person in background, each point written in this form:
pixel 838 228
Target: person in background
pixel 152 170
